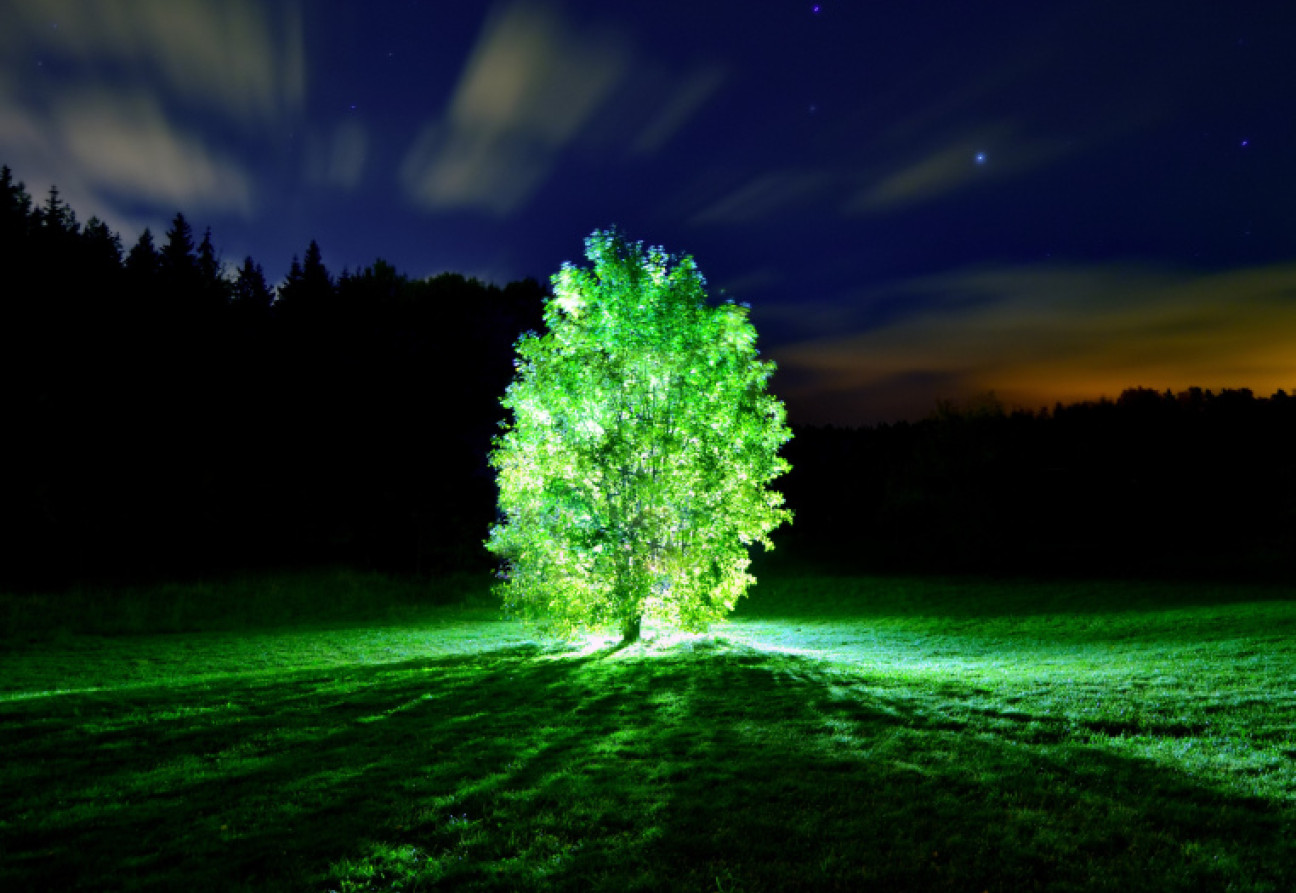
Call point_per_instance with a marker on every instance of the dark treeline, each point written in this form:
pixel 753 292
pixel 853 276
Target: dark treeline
pixel 162 416
pixel 1193 483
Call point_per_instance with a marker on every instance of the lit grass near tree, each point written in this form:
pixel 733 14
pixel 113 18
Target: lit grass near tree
pixel 837 733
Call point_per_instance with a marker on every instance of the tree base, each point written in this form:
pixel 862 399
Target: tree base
pixel 630 628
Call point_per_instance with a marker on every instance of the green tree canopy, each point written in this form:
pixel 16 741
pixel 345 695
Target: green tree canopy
pixel 634 473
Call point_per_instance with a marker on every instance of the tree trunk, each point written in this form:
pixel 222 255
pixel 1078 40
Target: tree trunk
pixel 630 629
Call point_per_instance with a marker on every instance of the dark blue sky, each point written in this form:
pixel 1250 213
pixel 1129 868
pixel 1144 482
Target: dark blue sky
pixel 921 200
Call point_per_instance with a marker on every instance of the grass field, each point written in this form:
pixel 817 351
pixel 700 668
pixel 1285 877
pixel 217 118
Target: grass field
pixel 345 733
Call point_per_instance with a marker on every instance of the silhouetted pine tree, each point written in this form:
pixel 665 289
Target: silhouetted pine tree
pixel 215 289
pixel 17 222
pixel 291 284
pixel 315 276
pixel 143 262
pixel 314 389
pixel 308 291
pixel 22 388
pixel 55 216
pixel 251 294
pixel 139 302
pixel 15 212
pixel 179 263
pixel 103 246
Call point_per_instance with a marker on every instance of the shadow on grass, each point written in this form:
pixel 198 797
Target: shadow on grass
pixel 710 769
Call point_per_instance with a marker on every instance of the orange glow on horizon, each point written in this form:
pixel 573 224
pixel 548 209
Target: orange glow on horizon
pixel 1036 336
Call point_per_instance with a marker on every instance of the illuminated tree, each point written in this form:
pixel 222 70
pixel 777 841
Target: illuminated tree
pixel 634 473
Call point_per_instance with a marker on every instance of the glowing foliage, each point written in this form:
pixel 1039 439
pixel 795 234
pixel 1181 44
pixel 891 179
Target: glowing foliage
pixel 633 476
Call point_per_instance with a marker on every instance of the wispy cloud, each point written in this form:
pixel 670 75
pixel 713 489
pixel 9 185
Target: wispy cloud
pixel 1035 335
pixel 531 85
pixel 22 135
pixel 764 196
pixel 134 99
pixel 925 151
pixel 954 164
pixel 339 159
pixel 228 54
pixel 127 146
pixel 673 103
pixel 536 85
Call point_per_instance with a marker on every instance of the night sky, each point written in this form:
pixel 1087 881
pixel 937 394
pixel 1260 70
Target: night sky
pixel 1054 199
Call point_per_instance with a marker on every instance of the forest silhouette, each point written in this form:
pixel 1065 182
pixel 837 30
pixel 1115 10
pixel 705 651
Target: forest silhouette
pixel 166 418
pixel 1187 484
pixel 167 414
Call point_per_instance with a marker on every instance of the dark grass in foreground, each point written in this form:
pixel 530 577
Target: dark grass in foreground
pixel 841 733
